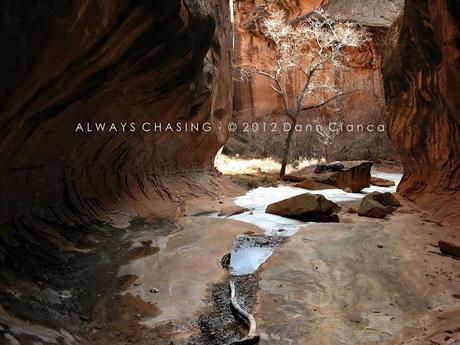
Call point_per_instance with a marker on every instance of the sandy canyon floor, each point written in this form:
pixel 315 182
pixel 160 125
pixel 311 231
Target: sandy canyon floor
pixel 360 281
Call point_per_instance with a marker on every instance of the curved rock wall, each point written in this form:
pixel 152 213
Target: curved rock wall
pixel 107 61
pixel 422 88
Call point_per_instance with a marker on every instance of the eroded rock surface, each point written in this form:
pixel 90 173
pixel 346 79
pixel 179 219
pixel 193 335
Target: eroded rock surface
pixel 422 86
pixel 114 62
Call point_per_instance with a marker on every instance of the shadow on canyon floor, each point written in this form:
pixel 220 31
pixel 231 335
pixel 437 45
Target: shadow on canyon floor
pixel 360 281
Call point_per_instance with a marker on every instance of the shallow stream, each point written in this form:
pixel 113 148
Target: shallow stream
pixel 247 258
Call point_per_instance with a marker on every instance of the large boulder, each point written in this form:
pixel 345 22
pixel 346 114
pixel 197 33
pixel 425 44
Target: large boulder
pixel 355 175
pixel 306 207
pixel 350 175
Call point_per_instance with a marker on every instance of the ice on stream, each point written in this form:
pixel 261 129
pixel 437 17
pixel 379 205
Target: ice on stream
pixel 247 260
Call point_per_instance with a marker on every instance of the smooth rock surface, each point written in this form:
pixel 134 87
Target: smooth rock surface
pixel 331 284
pixel 182 270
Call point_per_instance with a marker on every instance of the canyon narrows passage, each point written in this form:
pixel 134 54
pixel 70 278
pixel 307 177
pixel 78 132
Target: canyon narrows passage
pixel 136 236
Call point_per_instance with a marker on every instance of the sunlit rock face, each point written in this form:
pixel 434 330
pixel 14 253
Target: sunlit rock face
pixel 422 87
pixel 255 100
pixel 114 62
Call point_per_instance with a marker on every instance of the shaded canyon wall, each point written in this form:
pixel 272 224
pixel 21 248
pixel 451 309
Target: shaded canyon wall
pixel 422 89
pixel 108 61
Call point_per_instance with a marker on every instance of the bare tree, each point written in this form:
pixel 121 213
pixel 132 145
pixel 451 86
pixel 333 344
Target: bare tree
pixel 312 44
pixel 328 136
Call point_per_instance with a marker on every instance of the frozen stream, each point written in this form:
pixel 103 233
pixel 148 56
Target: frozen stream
pixel 246 260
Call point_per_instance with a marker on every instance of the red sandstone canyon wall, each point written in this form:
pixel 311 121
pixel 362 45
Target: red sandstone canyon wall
pixel 107 61
pixel 422 84
pixel 256 101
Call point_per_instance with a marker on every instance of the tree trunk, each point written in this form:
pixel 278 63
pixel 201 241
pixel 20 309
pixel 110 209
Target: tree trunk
pixel 287 145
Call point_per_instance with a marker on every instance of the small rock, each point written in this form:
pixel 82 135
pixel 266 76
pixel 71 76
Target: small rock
pixel 372 208
pixel 147 243
pixel 333 218
pixel 232 211
pixel 154 290
pixel 378 205
pixel 379 246
pixel 449 248
pixel 381 182
pixel 225 261
pixel 386 199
